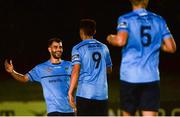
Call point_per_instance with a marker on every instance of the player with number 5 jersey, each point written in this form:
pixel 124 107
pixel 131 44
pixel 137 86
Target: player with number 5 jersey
pixel 91 60
pixel 143 44
pixel 142 34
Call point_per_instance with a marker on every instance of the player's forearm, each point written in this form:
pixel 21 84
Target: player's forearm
pixel 168 49
pixel 112 40
pixel 74 79
pixel 164 48
pixel 71 92
pixel 73 86
pixel 18 76
pixel 118 40
pixel 169 45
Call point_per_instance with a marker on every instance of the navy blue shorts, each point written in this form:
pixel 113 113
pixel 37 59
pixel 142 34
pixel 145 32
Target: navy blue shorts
pixel 91 107
pixel 60 114
pixel 142 96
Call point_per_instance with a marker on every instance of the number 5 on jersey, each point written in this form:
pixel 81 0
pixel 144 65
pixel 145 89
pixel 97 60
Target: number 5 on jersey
pixel 145 36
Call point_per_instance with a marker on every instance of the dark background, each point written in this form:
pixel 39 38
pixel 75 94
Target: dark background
pixel 26 26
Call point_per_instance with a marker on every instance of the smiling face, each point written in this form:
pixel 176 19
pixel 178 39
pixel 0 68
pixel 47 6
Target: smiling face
pixel 56 50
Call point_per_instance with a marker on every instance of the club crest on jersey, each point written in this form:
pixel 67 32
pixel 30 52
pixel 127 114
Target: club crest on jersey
pixel 66 68
pixel 122 25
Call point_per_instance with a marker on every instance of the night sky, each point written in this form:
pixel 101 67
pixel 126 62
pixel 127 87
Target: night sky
pixel 26 25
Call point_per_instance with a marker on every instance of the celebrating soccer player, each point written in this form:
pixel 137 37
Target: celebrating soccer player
pixel 142 34
pixel 91 63
pixel 54 76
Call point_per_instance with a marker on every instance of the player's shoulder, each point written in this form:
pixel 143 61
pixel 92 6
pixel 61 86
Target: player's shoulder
pixel 104 46
pixel 127 15
pixel 154 15
pixel 96 41
pixel 101 43
pixel 66 62
pixel 79 45
pixel 42 64
pixel 84 43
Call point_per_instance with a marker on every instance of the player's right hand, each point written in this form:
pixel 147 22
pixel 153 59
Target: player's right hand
pixel 110 38
pixel 72 103
pixel 8 66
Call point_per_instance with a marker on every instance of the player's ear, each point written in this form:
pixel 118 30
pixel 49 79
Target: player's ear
pixel 49 49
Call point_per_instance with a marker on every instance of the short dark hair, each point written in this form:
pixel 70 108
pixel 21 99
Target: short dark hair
pixel 88 26
pixel 54 39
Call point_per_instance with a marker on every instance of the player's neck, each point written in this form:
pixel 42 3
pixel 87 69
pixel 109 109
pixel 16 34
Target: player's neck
pixel 87 37
pixel 55 61
pixel 138 7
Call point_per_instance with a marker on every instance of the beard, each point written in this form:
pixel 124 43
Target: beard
pixel 56 55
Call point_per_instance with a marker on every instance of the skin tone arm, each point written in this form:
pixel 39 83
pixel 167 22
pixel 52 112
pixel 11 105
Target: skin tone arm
pixel 169 45
pixel 73 85
pixel 118 40
pixel 10 69
pixel 74 82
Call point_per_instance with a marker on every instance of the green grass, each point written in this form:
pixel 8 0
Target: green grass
pixel 31 108
pixel 12 90
pixel 27 98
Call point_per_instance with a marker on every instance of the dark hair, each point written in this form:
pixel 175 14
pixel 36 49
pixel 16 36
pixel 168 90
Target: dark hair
pixel 88 26
pixel 136 2
pixel 55 39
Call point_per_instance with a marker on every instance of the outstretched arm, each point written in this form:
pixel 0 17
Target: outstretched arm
pixel 10 69
pixel 169 45
pixel 73 85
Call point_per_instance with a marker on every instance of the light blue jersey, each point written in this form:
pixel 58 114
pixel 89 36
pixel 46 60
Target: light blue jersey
pixel 94 58
pixel 140 56
pixel 55 79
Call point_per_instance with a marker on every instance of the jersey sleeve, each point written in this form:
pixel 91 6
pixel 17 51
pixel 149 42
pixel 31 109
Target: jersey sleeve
pixel 165 30
pixel 75 57
pixel 122 24
pixel 33 75
pixel 108 58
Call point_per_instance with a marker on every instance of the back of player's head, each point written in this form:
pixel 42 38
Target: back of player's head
pixel 138 2
pixel 54 39
pixel 88 26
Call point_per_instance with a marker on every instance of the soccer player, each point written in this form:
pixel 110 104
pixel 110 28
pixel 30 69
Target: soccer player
pixel 142 34
pixel 91 62
pixel 54 76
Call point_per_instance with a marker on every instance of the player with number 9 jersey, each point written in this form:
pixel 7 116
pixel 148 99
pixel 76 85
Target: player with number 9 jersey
pixel 93 57
pixel 91 63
